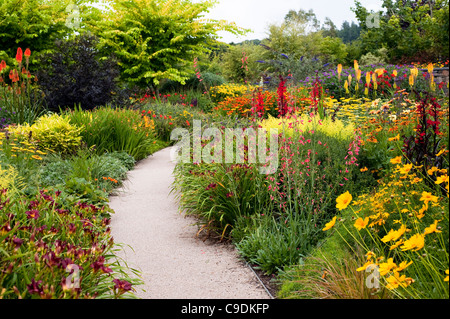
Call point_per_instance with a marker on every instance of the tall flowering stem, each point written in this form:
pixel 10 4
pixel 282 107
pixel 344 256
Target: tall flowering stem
pixel 20 98
pixel 317 98
pixel 258 103
pixel 282 103
pixel 422 147
pixel 199 77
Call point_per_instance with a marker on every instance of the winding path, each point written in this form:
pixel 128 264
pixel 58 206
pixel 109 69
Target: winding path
pixel 174 263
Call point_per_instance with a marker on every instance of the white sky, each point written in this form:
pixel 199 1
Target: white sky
pixel 258 14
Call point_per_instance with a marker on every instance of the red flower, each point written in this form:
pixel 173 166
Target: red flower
pixel 14 75
pixel 34 213
pixel 122 285
pixel 35 287
pixel 27 53
pixel 17 242
pixel 19 55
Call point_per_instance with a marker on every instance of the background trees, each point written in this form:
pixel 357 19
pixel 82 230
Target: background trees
pixel 410 30
pixel 156 41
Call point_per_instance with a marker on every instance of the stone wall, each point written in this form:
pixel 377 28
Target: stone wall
pixel 441 75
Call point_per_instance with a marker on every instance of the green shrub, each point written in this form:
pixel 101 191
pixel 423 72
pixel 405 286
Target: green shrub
pixel 55 132
pixel 220 194
pixel 86 174
pixel 108 130
pixel 51 132
pixel 125 159
pixel 73 74
pixel 277 243
pixel 371 58
pixel 208 79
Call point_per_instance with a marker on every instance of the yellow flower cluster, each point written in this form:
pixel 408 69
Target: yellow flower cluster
pixel 221 92
pixel 360 110
pixel 18 146
pixel 404 219
pixel 394 280
pixel 305 123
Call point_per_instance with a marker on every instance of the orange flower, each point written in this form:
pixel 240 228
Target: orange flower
pixel 396 160
pixel 432 229
pixel 428 197
pixel 361 223
pixel 343 200
pixel 330 224
pixel 395 138
pixel 405 169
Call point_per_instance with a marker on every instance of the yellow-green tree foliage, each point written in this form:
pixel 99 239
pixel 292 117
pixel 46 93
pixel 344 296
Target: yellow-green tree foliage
pixel 158 39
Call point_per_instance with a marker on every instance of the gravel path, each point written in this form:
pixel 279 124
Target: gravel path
pixel 174 263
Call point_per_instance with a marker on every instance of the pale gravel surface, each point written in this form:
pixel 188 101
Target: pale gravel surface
pixel 175 264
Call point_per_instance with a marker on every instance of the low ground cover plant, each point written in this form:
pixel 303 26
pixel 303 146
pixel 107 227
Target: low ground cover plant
pixel 54 233
pixel 46 242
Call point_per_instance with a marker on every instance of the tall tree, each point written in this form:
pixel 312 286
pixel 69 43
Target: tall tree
pixel 329 29
pixel 349 32
pixel 301 35
pixel 158 39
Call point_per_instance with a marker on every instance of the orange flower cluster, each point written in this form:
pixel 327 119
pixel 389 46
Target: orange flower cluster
pixel 242 105
pixel 115 181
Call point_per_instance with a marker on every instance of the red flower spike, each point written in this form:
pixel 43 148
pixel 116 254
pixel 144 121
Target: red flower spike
pixel 19 55
pixel 27 53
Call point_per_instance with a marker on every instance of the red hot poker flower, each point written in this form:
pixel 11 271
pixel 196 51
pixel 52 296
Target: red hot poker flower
pixel 27 54
pixel 19 55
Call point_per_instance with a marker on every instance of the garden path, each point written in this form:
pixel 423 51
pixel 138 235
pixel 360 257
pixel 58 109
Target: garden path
pixel 174 263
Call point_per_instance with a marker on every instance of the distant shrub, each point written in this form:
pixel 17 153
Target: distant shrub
pixel 208 79
pixel 374 58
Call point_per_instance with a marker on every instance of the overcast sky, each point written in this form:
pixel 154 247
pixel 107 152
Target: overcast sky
pixel 258 14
